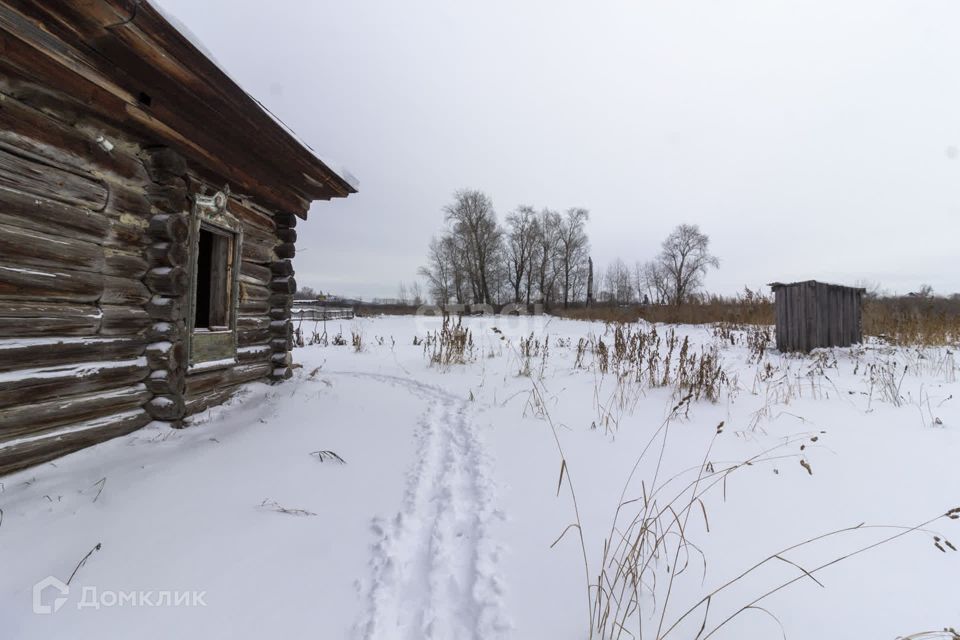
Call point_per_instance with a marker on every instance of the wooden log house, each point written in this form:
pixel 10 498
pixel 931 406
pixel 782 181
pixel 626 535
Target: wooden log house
pixel 148 208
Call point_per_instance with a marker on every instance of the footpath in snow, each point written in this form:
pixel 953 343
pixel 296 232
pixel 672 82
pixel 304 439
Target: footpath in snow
pixel 434 565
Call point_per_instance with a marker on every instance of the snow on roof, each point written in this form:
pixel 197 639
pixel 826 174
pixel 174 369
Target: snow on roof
pixel 193 39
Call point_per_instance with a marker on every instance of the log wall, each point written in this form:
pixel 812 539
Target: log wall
pixel 93 281
pixel 73 323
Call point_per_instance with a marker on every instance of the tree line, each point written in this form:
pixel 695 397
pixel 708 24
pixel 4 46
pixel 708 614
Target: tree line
pixel 543 257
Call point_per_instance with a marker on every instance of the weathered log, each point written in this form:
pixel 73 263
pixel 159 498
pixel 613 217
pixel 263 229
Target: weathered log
pixel 169 198
pixel 252 336
pixel 38 319
pixel 286 250
pixel 253 322
pixel 64 380
pixel 285 219
pixel 121 320
pixel 214 387
pixel 204 401
pixel 20 453
pixel 284 285
pixel 281 373
pixel 199 383
pixel 166 331
pixel 167 254
pixel 26 417
pixel 255 353
pixel 125 291
pixel 31 174
pixel 169 408
pixel 253 292
pixel 258 252
pixel 42 214
pixel 121 263
pixel 168 227
pixel 128 199
pixel 242 374
pixel 255 274
pixel 171 281
pixel 281 329
pixel 164 309
pixel 281 300
pixel 127 232
pixel 287 235
pixel 204 381
pixel 37 353
pixel 179 118
pixel 280 313
pixel 281 344
pixel 28 128
pixel 282 268
pixel 250 216
pixel 167 355
pixel 35 248
pixel 163 164
pixel 163 382
pixel 50 285
pixel 254 307
pixel 281 359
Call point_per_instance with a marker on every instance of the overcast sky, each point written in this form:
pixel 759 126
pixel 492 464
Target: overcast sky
pixel 814 139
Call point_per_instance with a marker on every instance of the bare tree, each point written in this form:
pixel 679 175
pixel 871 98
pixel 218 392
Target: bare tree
pixel 873 289
pixel 652 279
pixel 548 243
pixel 619 282
pixel 416 293
pixel 306 293
pixel 476 260
pixel 574 248
pixel 477 237
pixel 684 260
pixel 521 244
pixel 440 270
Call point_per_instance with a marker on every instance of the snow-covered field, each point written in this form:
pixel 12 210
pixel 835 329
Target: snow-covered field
pixel 441 519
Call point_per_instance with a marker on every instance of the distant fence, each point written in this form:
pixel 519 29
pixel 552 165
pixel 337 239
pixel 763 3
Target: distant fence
pixel 311 310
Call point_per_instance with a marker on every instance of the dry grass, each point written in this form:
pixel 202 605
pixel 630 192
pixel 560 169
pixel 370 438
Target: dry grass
pixel 650 545
pixel 901 321
pixel 750 307
pixel 913 321
pixel 451 344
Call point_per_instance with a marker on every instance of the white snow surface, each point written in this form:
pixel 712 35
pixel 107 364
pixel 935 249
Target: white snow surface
pixel 440 522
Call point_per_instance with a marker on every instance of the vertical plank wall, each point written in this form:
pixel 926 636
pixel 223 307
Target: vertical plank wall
pixel 811 315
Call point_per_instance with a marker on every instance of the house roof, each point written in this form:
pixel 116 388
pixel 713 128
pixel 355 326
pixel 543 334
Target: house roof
pixel 140 69
pixel 777 285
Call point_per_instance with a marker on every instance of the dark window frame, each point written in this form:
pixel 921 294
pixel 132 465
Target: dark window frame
pixel 212 224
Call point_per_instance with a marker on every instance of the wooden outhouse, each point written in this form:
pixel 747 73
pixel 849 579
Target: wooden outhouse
pixel 147 214
pixel 815 314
